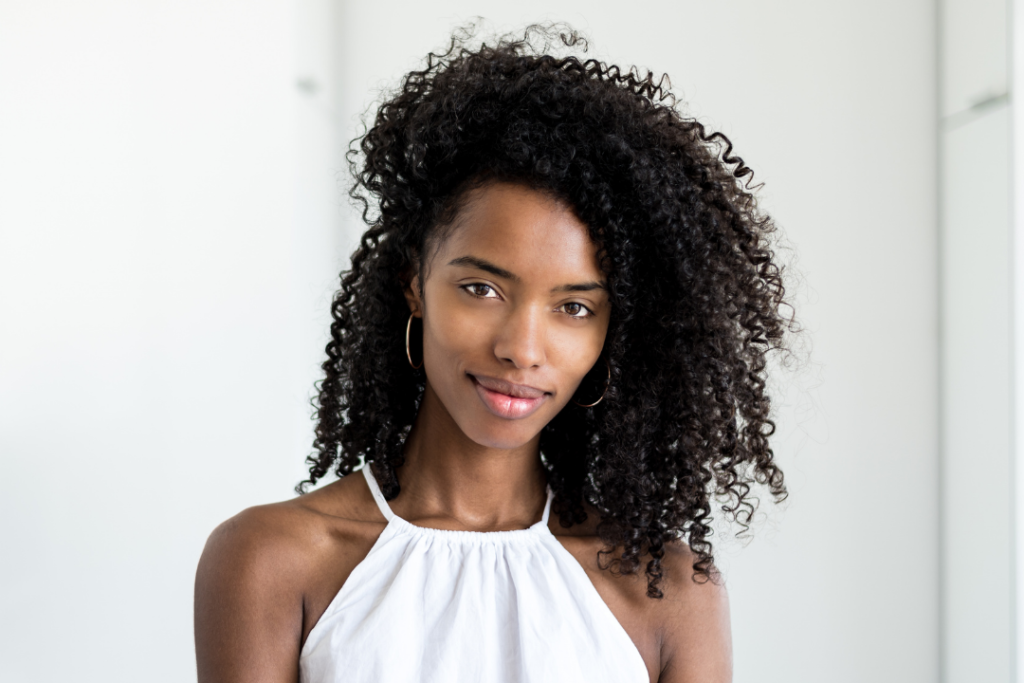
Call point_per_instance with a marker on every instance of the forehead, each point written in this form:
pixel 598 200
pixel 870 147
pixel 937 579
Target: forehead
pixel 523 230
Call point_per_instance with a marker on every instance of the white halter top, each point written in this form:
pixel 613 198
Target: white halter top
pixel 434 605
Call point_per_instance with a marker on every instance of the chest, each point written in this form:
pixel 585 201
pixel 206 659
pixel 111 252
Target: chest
pixel 434 605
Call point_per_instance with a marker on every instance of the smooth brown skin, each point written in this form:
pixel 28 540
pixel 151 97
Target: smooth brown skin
pixel 268 574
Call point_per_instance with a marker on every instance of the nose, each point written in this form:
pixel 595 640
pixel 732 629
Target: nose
pixel 522 337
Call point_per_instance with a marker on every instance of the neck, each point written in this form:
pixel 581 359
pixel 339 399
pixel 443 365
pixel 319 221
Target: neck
pixel 451 482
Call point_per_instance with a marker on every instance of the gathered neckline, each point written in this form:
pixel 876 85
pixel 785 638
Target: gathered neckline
pixel 460 596
pixel 405 526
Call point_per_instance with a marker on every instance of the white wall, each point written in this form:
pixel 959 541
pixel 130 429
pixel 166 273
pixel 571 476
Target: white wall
pixel 977 377
pixel 167 250
pixel 166 219
pixel 1016 80
pixel 976 345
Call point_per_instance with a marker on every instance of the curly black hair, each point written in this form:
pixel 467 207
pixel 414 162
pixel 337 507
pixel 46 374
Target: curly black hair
pixel 696 294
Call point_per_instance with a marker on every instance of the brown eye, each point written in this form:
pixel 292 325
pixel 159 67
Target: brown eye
pixel 480 290
pixel 576 310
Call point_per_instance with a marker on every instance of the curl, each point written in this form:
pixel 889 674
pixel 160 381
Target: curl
pixel 694 287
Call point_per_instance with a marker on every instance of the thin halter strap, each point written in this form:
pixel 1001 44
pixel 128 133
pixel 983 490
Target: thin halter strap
pixel 371 481
pixel 385 509
pixel 547 508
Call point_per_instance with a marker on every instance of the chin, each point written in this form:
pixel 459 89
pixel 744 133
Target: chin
pixel 504 437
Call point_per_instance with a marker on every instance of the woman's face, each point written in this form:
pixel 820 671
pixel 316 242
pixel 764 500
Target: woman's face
pixel 515 312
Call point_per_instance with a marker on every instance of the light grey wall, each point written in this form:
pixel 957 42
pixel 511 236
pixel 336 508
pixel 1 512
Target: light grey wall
pixel 977 378
pixel 167 244
pixel 1017 331
pixel 976 425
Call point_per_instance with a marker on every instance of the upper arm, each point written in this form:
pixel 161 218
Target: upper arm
pixel 697 636
pixel 248 602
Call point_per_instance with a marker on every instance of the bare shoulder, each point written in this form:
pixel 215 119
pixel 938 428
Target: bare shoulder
pixel 286 535
pixel 268 573
pixel 683 636
pixel 694 621
pixel 262 534
pixel 250 551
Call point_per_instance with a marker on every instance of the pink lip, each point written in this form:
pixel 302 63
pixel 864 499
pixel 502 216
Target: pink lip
pixel 508 400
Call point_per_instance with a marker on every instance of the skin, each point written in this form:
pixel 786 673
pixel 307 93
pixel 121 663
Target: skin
pixel 513 294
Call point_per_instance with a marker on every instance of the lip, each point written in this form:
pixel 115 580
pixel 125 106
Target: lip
pixel 506 399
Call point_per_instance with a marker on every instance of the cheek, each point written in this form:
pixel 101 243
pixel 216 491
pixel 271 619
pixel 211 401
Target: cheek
pixel 574 353
pixel 578 349
pixel 453 335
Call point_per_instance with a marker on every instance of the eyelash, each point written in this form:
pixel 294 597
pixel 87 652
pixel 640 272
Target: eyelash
pixel 473 285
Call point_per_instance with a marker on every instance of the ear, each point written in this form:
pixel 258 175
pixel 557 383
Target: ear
pixel 413 290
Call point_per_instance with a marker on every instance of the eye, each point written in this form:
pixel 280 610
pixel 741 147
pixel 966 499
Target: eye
pixel 480 290
pixel 577 310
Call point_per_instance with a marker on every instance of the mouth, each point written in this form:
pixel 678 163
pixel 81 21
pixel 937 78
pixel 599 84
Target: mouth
pixel 507 400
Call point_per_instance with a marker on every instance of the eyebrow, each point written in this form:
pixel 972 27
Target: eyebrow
pixel 488 267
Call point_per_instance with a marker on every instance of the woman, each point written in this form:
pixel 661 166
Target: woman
pixel 563 305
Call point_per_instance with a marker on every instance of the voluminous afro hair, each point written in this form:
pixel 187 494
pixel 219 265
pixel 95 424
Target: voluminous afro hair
pixel 694 290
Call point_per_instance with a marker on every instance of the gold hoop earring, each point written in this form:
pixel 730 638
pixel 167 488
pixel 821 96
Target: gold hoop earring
pixel 607 382
pixel 408 327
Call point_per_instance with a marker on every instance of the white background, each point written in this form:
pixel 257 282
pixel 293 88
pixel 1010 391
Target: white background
pixel 172 219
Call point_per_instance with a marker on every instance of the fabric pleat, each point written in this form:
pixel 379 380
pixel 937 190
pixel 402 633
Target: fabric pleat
pixel 439 606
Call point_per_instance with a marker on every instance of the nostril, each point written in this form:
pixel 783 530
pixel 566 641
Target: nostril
pixel 522 340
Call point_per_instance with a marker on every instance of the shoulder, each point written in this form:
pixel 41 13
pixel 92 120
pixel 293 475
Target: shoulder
pixel 268 573
pixel 249 593
pixel 684 635
pixel 693 615
pixel 261 539
pixel 288 534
